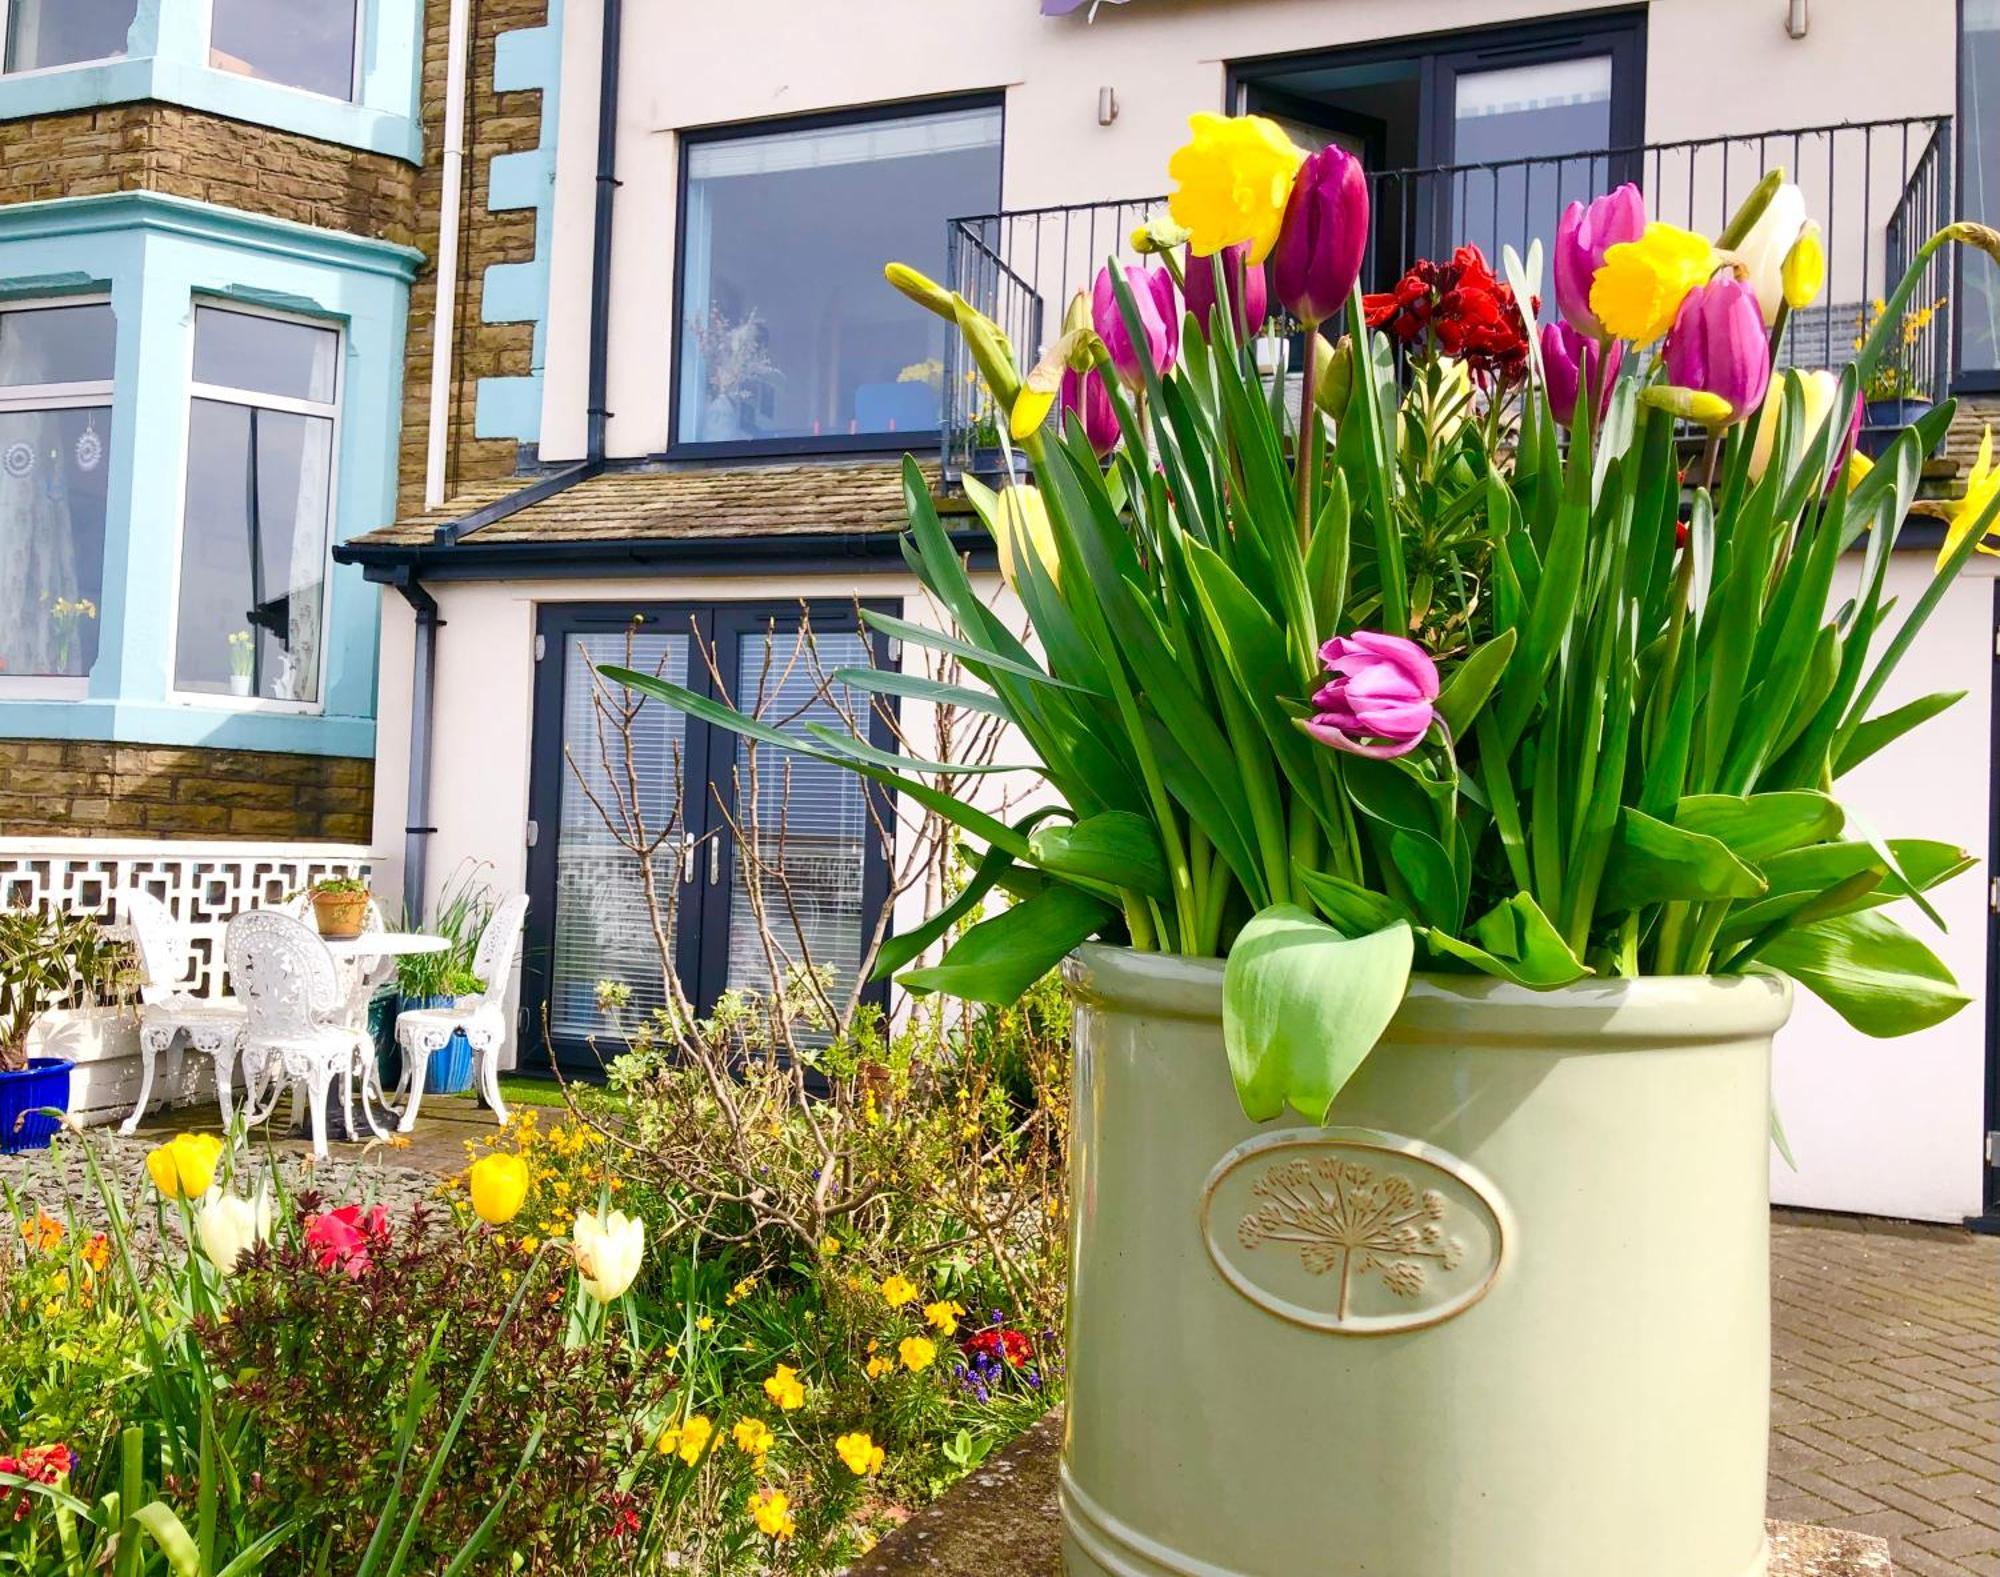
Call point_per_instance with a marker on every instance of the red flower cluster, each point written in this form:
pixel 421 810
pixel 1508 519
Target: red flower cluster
pixel 342 1238
pixel 1472 315
pixel 1000 1345
pixel 38 1465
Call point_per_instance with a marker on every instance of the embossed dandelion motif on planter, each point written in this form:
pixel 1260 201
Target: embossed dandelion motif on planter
pixel 1343 1218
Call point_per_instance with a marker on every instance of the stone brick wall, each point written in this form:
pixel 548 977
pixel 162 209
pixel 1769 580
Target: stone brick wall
pixel 496 123
pixel 187 153
pixel 81 787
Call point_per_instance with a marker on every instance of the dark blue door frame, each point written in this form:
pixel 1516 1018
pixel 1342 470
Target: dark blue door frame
pixel 1988 1221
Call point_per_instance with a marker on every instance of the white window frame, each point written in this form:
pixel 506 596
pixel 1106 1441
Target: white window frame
pixel 89 394
pixel 353 86
pixel 258 400
pixel 6 21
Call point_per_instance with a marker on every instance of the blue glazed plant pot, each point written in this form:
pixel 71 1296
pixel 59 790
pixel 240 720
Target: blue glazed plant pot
pixel 43 1083
pixel 450 1070
pixel 1882 420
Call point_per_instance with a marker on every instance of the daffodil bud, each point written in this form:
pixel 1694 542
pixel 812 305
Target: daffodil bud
pixel 1804 271
pixel 923 290
pixel 1334 384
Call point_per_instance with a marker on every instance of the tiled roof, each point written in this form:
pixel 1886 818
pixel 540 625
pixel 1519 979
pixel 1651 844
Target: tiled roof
pixel 649 505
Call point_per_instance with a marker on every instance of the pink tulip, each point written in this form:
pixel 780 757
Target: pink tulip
pixel 1318 256
pixel 1248 293
pixel 1571 362
pixel 1159 320
pixel 1379 701
pixel 1717 346
pixel 1085 393
pixel 1582 235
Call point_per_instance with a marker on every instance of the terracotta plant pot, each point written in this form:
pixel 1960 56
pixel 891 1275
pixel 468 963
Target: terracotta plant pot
pixel 340 915
pixel 1506 1316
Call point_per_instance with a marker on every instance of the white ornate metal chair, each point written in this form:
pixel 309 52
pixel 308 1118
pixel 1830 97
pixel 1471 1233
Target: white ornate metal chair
pixel 295 1014
pixel 483 1018
pixel 168 1014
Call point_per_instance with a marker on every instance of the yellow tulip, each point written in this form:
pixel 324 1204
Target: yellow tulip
pixel 1982 488
pixel 1024 518
pixel 1858 467
pixel 1642 284
pixel 1804 272
pixel 499 1186
pixel 1235 176
pixel 184 1167
pixel 1816 389
pixel 608 1250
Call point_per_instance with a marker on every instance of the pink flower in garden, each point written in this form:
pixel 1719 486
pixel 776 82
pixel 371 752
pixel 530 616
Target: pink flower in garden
pixel 342 1239
pixel 1717 346
pixel 1573 361
pixel 1379 701
pixel 1159 320
pixel 1582 235
pixel 1324 236
pixel 1085 393
pixel 1249 293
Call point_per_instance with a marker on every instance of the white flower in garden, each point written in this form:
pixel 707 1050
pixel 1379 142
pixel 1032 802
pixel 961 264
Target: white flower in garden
pixel 609 1247
pixel 229 1226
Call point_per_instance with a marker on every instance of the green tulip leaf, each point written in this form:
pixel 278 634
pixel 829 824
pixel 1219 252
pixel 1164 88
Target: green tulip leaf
pixel 1302 1006
pixel 1755 826
pixel 1870 971
pixel 1889 727
pixel 999 959
pixel 1515 941
pixel 1354 910
pixel 1652 862
pixel 1115 847
pixel 1467 690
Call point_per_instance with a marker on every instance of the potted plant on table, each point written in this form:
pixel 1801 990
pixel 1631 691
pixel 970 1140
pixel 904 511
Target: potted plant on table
pixel 1459 787
pixel 340 906
pixel 48 959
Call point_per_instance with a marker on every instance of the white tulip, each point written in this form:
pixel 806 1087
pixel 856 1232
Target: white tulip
pixel 608 1250
pixel 1763 251
pixel 229 1226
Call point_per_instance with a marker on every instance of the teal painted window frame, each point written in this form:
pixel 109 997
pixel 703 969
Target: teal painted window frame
pixel 157 257
pixel 166 58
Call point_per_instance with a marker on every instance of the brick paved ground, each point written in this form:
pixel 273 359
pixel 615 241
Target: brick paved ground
pixel 1885 1399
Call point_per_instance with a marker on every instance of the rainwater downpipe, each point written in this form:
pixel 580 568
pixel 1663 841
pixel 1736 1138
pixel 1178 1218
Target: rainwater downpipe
pixel 444 319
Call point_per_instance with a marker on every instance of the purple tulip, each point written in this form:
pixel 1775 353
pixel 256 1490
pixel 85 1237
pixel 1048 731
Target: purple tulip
pixel 1318 256
pixel 1248 295
pixel 1085 393
pixel 1582 235
pixel 1159 318
pixel 1717 346
pixel 1573 361
pixel 1378 702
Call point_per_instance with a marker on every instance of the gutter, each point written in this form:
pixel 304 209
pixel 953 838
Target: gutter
pixel 799 553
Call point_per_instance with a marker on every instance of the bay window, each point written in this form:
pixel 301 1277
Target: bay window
pixel 254 533
pixel 55 434
pixel 785 335
pixel 45 33
pixel 309 44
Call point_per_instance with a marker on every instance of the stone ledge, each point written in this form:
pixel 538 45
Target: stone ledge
pixel 1001 1522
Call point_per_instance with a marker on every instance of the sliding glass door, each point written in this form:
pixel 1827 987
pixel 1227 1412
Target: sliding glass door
pixel 664 849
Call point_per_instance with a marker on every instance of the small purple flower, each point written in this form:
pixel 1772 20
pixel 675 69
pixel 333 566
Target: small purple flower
pixel 1718 346
pixel 1582 235
pixel 1159 320
pixel 1249 298
pixel 1572 361
pixel 1379 701
pixel 1085 393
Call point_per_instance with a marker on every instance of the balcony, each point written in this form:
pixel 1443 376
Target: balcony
pixel 1878 189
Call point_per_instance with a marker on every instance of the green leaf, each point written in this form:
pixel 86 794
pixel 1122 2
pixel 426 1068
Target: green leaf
pixel 1653 862
pixel 1516 942
pixel 916 687
pixel 999 959
pixel 171 1535
pixel 898 950
pixel 1458 703
pixel 1801 876
pixel 1116 848
pixel 1302 1005
pixel 1354 910
pixel 1756 826
pixel 1890 726
pixel 937 641
pixel 1870 971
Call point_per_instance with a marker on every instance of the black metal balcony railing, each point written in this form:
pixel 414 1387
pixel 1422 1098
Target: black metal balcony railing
pixel 1878 189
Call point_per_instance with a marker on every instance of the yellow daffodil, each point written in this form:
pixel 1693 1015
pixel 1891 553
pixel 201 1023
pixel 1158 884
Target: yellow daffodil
pixel 687 1440
pixel 499 1187
pixel 1637 292
pixel 772 1510
pixel 1804 272
pixel 917 1352
pixel 785 1389
pixel 1233 178
pixel 229 1226
pixel 753 1437
pixel 897 1291
pixel 1982 488
pixel 862 1456
pixel 184 1167
pixel 1021 518
pixel 1858 467
pixel 609 1247
pixel 943 1316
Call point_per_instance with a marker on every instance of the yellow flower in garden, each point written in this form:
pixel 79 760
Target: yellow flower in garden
pixel 184 1167
pixel 877 1367
pixel 499 1184
pixel 1641 285
pixel 785 1388
pixel 1858 467
pixel 829 1245
pixel 772 1509
pixel 753 1438
pixel 917 1352
pixel 943 1317
pixel 688 1440
pixel 43 1233
pixel 1233 177
pixel 1804 271
pixel 705 1323
pixel 896 1292
pixel 862 1456
pixel 1022 528
pixel 1981 488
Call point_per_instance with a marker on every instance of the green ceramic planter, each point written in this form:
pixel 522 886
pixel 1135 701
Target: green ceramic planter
pixel 1507 1316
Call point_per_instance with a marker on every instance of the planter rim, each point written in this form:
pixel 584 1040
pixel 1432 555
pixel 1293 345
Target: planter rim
pixel 37 1065
pixel 1475 1009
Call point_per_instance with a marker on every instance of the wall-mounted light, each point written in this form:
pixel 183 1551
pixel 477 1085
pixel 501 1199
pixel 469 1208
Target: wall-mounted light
pixel 1107 106
pixel 1796 19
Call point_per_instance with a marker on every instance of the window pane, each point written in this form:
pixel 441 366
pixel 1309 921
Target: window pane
pixel 810 820
pixel 302 43
pixel 604 928
pixel 253 552
pixel 52 471
pixel 58 345
pixel 1545 113
pixel 237 350
pixel 63 32
pixel 786 330
pixel 1980 136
